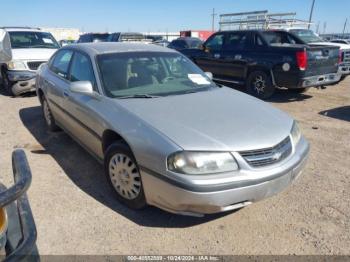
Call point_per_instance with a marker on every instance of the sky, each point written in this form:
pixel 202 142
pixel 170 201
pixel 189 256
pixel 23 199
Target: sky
pixel 159 15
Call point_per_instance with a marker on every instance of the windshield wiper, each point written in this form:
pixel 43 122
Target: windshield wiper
pixel 137 96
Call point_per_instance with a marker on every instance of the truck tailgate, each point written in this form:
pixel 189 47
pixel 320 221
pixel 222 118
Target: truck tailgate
pixel 322 60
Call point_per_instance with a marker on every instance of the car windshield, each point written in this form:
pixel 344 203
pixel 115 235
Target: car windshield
pixel 308 36
pixel 194 43
pixel 100 37
pixel 32 40
pixel 150 74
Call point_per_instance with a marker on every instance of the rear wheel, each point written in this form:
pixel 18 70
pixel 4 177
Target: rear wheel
pixel 49 119
pixel 124 176
pixel 6 83
pixel 259 84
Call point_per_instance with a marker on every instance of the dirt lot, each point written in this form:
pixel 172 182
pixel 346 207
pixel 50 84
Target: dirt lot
pixel 76 213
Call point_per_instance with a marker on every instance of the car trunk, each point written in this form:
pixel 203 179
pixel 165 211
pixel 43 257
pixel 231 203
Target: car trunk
pixel 322 60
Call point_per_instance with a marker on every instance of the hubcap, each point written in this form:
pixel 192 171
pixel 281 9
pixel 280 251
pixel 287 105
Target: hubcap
pixel 125 176
pixel 47 113
pixel 259 84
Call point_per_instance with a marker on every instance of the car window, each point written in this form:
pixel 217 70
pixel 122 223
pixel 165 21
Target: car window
pixel 32 40
pixel 81 69
pixel 278 38
pixel 150 73
pixel 258 41
pixel 179 44
pixel 215 43
pixel 60 63
pixel 235 40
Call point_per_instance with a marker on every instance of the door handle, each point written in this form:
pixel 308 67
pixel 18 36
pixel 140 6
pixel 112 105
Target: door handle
pixel 216 55
pixel 238 57
pixel 49 82
pixel 65 93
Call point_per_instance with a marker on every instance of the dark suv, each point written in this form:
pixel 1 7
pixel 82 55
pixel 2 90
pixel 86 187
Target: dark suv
pixel 93 37
pixel 263 60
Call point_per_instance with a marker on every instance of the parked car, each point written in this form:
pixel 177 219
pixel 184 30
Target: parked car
pixel 313 39
pixel 17 227
pixel 264 60
pixel 154 38
pixel 127 37
pixel 31 47
pixel 185 43
pixel 65 42
pixel 93 37
pixel 167 135
pixel 341 41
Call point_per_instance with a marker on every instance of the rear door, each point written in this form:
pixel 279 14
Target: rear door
pixel 234 55
pixel 210 60
pixel 56 82
pixel 82 120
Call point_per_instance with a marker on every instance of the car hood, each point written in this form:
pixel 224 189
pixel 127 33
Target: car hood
pixel 221 119
pixel 341 46
pixel 40 54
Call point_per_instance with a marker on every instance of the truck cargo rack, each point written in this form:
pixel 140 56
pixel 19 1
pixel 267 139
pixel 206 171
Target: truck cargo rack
pixel 260 20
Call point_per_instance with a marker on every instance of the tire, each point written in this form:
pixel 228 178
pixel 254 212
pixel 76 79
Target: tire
pixel 49 119
pixel 299 90
pixel 6 83
pixel 124 177
pixel 259 84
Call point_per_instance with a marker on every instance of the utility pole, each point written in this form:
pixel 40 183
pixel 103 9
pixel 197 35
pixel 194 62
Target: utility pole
pixel 213 20
pixel 311 12
pixel 346 21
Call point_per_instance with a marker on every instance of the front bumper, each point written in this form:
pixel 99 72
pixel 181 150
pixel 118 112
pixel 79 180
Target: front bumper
pixel 175 198
pixel 21 233
pixel 22 81
pixel 320 80
pixel 344 69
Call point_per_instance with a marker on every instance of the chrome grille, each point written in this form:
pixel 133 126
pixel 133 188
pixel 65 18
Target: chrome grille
pixel 346 56
pixel 35 64
pixel 268 156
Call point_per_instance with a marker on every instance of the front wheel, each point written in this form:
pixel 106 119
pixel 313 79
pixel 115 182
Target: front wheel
pixel 259 84
pixel 124 176
pixel 6 83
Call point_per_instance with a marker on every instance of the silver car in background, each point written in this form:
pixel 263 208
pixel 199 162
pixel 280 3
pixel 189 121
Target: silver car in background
pixel 167 135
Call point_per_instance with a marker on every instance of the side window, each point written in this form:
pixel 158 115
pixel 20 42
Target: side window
pixel 215 43
pixel 60 63
pixel 258 40
pixel 236 41
pixel 179 44
pixel 81 69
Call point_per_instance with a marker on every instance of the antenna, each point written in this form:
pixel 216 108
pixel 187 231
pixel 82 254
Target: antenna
pixel 213 20
pixel 311 12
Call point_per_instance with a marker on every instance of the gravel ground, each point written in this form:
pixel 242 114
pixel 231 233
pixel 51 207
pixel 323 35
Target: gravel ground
pixel 76 213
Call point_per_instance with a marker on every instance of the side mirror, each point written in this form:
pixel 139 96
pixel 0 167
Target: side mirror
pixel 5 47
pixel 82 87
pixel 210 75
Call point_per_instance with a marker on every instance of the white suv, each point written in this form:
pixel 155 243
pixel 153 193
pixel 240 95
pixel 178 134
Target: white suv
pixel 31 47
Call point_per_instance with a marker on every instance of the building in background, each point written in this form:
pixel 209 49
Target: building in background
pixel 201 34
pixel 63 33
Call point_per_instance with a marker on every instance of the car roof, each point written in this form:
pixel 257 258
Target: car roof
pixel 22 29
pixel 117 47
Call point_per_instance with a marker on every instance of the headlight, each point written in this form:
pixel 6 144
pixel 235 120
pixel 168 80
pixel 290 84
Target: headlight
pixel 295 133
pixel 200 163
pixel 18 65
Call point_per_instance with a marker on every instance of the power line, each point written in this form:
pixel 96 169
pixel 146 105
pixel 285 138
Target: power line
pixel 311 12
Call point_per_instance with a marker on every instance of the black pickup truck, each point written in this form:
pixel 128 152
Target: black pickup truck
pixel 265 60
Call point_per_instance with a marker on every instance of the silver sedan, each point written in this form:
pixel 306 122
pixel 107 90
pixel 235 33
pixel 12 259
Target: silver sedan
pixel 168 136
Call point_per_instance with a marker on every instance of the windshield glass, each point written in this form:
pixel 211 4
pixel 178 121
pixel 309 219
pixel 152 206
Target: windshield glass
pixel 195 43
pixel 307 36
pixel 280 38
pixel 150 73
pixel 100 37
pixel 32 40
